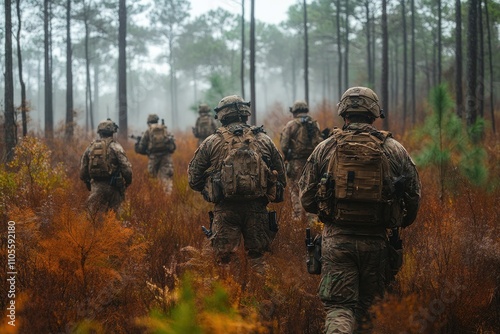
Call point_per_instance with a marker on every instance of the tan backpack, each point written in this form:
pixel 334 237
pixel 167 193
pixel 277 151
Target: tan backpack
pixel 204 126
pixel 307 138
pixel 244 173
pixel 160 140
pixel 100 166
pixel 357 188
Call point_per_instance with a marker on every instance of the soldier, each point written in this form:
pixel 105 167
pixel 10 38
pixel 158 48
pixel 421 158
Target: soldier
pixel 158 144
pixel 359 200
pixel 298 139
pixel 205 124
pixel 105 169
pixel 240 170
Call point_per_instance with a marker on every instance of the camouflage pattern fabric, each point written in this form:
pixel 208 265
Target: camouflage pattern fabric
pixel 235 219
pixel 160 165
pixel 354 258
pixel 293 172
pixel 353 275
pixel 232 219
pixel 295 162
pixel 104 195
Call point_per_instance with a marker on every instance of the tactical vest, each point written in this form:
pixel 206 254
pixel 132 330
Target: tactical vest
pixel 307 138
pixel 204 127
pixel 160 140
pixel 356 190
pixel 100 166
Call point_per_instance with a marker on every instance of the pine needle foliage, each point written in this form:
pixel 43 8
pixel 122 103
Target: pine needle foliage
pixel 448 146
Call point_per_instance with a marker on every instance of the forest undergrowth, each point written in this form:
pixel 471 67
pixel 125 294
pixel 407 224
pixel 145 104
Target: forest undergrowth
pixel 149 268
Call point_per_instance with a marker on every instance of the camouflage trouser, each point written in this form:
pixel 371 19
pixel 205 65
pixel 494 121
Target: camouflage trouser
pixel 162 167
pixel 104 197
pixel 233 220
pixel 293 172
pixel 353 275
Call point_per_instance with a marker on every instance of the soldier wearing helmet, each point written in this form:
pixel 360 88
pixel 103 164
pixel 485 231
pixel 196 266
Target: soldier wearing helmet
pixel 158 144
pixel 358 261
pixel 298 139
pixel 240 208
pixel 205 124
pixel 105 170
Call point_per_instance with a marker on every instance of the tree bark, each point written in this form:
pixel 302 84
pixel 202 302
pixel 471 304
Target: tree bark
pixel 10 122
pixel 339 51
pixel 122 70
pixel 471 106
pixel 69 75
pixel 385 65
pixel 306 55
pixel 458 60
pixel 242 67
pixel 490 65
pixel 413 67
pixel 405 63
pixel 253 117
pixel 24 106
pixel 49 112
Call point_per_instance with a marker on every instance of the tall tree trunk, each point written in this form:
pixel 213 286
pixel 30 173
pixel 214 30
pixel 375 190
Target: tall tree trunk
pixel 368 44
pixel 405 63
pixel 440 44
pixel 339 51
pixel 471 106
pixel 253 117
pixel 122 70
pixel 69 75
pixel 242 67
pixel 346 49
pixel 490 65
pixel 24 105
pixel 413 67
pixel 49 113
pixel 385 64
pixel 480 61
pixel 458 59
pixel 306 55
pixel 88 90
pixel 10 122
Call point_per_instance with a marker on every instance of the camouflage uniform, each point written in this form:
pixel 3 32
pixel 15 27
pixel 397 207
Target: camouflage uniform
pixel 160 164
pixel 354 259
pixel 204 113
pixel 234 218
pixel 295 160
pixel 107 193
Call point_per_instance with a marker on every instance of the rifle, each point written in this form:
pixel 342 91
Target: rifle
pixel 313 246
pixel 208 232
pixel 138 138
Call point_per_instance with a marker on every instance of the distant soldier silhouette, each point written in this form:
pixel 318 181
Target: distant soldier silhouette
pixel 158 144
pixel 105 169
pixel 364 186
pixel 240 170
pixel 205 125
pixel 298 139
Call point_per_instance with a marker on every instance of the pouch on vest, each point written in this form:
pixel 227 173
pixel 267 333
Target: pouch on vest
pixel 99 165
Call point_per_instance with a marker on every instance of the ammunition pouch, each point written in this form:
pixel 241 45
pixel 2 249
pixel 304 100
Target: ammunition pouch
pixel 212 192
pixel 325 197
pixel 314 257
pixel 273 221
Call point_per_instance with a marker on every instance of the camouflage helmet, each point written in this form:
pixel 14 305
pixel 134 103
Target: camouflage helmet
pixel 107 127
pixel 299 106
pixel 203 109
pixel 153 118
pixel 359 100
pixel 232 105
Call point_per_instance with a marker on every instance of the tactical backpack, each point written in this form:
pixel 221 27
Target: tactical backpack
pixel 160 140
pixel 100 166
pixel 204 127
pixel 244 173
pixel 357 187
pixel 308 136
